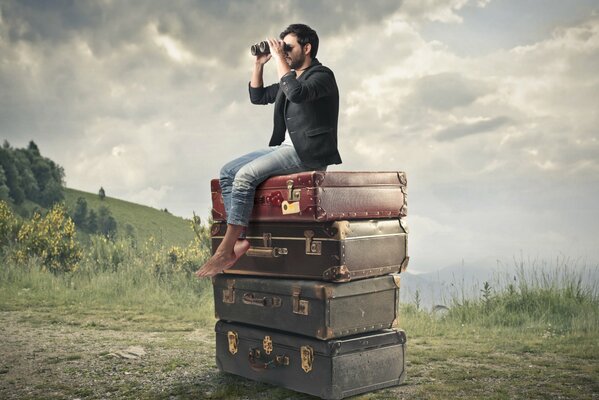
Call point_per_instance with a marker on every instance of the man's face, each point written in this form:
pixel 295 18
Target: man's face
pixel 294 57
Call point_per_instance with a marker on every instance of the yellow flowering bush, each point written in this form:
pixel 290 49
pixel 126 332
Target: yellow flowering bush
pixel 186 259
pixel 9 226
pixel 50 238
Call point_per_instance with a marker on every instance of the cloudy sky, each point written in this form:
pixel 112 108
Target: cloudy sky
pixel 490 106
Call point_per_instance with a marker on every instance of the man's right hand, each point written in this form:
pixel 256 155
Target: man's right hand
pixel 263 58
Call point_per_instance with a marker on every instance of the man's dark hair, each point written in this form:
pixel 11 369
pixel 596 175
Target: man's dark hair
pixel 304 35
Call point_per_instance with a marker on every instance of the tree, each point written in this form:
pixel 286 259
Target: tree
pixel 4 191
pixel 102 193
pixel 80 213
pixel 52 193
pixel 92 221
pixel 106 223
pixel 7 161
pixel 32 148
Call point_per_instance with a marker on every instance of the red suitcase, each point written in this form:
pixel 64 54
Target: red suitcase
pixel 324 196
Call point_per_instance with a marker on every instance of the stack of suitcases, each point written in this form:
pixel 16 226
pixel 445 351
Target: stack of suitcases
pixel 313 305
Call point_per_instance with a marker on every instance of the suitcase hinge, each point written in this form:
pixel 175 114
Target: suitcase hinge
pixel 337 274
pixel 293 194
pixel 229 292
pixel 313 247
pixel 301 307
pixel 307 358
pixel 267 344
pixel 233 341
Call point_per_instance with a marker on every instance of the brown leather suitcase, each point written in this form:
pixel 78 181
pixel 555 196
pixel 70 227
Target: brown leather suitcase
pixel 322 310
pixel 337 251
pixel 324 196
pixel 331 369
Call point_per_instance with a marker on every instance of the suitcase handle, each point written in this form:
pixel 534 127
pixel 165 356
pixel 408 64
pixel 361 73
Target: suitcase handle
pixel 260 363
pixel 266 252
pixel 251 299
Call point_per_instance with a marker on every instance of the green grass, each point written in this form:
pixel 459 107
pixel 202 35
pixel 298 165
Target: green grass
pixel 538 338
pixel 147 221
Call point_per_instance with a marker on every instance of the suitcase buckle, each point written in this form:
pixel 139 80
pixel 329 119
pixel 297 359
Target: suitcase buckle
pixel 313 247
pixel 307 355
pixel 301 307
pixel 267 344
pixel 233 340
pixel 229 292
pixel 293 194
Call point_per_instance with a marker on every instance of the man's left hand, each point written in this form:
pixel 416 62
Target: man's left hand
pixel 276 49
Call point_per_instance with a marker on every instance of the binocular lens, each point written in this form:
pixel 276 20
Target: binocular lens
pixel 260 48
pixel 264 48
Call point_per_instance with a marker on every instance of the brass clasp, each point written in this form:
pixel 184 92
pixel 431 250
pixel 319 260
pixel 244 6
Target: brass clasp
pixel 267 344
pixel 313 247
pixel 233 341
pixel 229 292
pixel 293 194
pixel 307 355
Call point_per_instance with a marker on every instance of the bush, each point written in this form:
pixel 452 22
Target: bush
pixel 50 238
pixel 9 226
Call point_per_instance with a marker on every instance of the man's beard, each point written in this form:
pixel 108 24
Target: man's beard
pixel 297 63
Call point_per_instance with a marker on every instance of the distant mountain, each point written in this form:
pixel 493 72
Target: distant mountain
pixel 145 221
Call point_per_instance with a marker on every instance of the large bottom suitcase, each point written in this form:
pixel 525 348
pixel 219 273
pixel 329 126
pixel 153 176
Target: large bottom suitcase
pixel 317 309
pixel 331 369
pixel 337 251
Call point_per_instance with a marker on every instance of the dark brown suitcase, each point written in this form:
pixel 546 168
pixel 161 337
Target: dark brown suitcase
pixel 331 369
pixel 336 251
pixel 324 196
pixel 312 308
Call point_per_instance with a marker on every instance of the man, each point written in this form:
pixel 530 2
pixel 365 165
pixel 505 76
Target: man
pixel 304 135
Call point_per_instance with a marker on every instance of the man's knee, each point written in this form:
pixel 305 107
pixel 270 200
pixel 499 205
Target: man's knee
pixel 245 179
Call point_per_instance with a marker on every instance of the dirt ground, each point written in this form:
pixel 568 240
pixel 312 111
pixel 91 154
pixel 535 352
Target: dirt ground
pixel 69 357
pixel 53 359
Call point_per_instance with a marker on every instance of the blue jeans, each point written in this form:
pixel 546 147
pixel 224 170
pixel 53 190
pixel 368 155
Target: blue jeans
pixel 240 177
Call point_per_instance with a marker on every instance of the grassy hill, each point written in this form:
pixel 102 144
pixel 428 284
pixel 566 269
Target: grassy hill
pixel 146 221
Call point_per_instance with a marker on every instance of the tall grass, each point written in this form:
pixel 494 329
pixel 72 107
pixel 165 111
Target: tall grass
pixel 552 300
pixel 115 277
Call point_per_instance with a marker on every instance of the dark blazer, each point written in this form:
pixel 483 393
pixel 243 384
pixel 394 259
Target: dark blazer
pixel 308 107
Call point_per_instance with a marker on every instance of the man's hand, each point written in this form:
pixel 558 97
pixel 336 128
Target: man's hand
pixel 262 59
pixel 276 49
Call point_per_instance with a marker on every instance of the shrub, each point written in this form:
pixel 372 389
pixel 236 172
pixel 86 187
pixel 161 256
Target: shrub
pixel 50 238
pixel 9 226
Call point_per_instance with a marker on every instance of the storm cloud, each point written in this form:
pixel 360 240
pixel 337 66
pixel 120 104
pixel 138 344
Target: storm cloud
pixel 499 137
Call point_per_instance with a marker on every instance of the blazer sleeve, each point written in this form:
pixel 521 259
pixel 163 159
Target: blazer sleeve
pixel 263 95
pixel 318 84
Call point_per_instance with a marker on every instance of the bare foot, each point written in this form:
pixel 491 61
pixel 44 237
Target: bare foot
pixel 221 261
pixel 241 247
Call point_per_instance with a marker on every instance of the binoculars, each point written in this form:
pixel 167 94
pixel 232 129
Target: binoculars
pixel 261 48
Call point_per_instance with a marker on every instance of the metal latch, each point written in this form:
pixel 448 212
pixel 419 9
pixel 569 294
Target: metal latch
pixel 313 247
pixel 267 251
pixel 301 307
pixel 307 355
pixel 267 344
pixel 233 340
pixel 293 194
pixel 229 292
